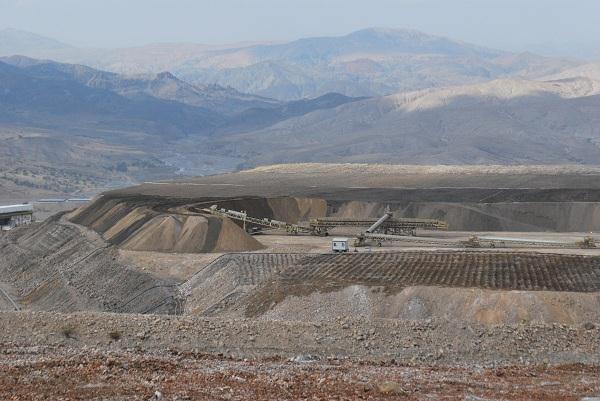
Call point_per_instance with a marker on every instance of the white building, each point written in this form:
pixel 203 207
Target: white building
pixel 340 245
pixel 12 216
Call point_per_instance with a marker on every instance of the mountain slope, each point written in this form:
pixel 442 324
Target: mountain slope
pixel 243 111
pixel 373 40
pixel 590 71
pixel 67 128
pixel 503 122
pixel 36 100
pixel 162 85
pixel 60 137
pixel 257 118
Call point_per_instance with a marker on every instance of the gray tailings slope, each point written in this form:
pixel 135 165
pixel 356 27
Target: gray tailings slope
pixel 58 266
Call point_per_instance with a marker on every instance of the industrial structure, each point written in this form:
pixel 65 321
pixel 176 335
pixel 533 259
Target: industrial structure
pixel 385 225
pixel 388 225
pixel 503 242
pixel 12 216
pixel 254 224
pixel 387 229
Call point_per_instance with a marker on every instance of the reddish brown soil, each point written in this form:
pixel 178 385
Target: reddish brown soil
pixel 66 375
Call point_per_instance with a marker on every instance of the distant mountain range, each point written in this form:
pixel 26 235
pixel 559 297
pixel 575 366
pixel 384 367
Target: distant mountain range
pixel 162 86
pixel 371 62
pixel 50 94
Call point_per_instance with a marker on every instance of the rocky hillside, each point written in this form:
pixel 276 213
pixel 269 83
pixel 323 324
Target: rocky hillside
pixel 162 85
pixel 107 129
pixel 500 122
pixel 590 71
pixel 59 101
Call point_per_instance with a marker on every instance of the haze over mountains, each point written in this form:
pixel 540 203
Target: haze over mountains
pixel 376 95
pixel 14 41
pixel 370 62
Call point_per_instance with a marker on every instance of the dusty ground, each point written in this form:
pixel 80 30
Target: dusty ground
pixel 182 266
pixel 60 266
pixel 131 357
pixel 44 210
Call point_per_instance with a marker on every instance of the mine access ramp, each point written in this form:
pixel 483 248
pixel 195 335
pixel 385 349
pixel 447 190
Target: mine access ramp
pixel 263 223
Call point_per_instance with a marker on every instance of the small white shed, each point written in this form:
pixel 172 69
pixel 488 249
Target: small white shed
pixel 340 244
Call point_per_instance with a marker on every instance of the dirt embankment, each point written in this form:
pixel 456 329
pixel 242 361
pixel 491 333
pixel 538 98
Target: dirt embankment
pixel 59 266
pixel 464 208
pixel 471 306
pixel 363 180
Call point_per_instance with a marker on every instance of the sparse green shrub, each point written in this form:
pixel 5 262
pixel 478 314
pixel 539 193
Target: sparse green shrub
pixel 68 331
pixel 115 335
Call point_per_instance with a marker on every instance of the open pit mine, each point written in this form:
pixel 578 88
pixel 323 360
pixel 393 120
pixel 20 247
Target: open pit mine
pixel 312 281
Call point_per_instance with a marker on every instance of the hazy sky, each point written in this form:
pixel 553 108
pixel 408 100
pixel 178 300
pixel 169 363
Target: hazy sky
pixel 551 26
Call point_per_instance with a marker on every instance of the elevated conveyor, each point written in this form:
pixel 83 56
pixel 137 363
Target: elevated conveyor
pixel 264 223
pixel 384 225
pixel 476 242
pixel 320 226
